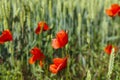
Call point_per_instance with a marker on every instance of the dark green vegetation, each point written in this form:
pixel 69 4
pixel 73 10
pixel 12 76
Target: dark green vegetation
pixel 89 30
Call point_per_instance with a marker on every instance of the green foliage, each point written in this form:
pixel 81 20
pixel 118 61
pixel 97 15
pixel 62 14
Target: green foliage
pixel 89 30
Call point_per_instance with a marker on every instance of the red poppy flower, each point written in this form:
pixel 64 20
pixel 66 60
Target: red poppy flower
pixel 61 40
pixel 108 49
pixel 114 10
pixel 5 36
pixel 119 14
pixel 42 26
pixel 37 55
pixel 59 64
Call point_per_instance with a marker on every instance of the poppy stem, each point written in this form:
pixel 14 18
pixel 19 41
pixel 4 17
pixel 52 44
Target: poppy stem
pixel 66 49
pixel 40 42
pixel 67 69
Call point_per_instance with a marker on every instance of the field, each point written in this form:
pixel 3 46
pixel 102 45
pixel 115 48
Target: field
pixel 89 30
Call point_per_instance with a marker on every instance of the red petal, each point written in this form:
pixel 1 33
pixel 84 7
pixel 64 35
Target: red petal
pixel 37 53
pixel 58 61
pixel 41 63
pixel 119 13
pixel 108 49
pixel 37 31
pixel 109 13
pixel 62 65
pixel 6 36
pixel 55 44
pixel 32 60
pixel 46 27
pixel 53 68
pixel 113 6
pixel 42 26
pixel 113 11
pixel 62 37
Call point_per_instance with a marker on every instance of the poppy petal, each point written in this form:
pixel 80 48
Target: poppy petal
pixel 62 37
pixel 62 65
pixel 53 68
pixel 1 42
pixel 109 48
pixel 41 63
pixel 46 27
pixel 113 11
pixel 6 36
pixel 37 55
pixel 58 61
pixel 109 13
pixel 113 6
pixel 31 60
pixel 59 64
pixel 119 13
pixel 55 44
pixel 37 31
pixel 42 26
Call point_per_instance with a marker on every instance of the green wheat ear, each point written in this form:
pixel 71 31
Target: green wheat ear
pixel 88 75
pixel 111 64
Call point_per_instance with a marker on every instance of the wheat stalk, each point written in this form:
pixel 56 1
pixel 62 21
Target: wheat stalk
pixel 111 64
pixel 88 75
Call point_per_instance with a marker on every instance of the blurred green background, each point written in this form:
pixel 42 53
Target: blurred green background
pixel 89 30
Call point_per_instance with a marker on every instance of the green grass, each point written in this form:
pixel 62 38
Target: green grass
pixel 89 30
